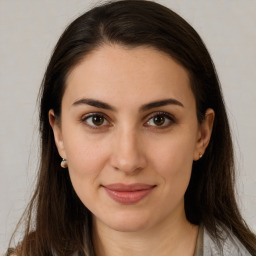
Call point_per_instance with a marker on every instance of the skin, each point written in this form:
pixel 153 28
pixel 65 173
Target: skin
pixel 128 145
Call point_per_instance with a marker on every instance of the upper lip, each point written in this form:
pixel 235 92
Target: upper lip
pixel 128 187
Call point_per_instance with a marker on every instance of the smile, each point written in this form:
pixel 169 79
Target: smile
pixel 128 194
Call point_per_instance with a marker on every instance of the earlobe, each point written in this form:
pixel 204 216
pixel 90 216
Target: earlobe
pixel 204 134
pixel 57 133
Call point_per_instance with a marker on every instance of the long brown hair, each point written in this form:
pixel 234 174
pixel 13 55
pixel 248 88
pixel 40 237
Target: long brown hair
pixel 56 220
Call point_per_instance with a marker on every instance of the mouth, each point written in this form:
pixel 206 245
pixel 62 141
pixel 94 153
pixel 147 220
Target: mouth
pixel 128 193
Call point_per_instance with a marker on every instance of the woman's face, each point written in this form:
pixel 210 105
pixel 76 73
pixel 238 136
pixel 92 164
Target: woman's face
pixel 130 134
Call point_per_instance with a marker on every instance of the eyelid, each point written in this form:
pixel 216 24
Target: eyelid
pixel 91 114
pixel 167 115
pixel 163 113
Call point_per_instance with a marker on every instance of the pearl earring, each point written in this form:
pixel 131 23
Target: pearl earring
pixel 64 163
pixel 200 155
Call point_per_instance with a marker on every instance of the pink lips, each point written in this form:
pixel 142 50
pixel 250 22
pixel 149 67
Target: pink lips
pixel 128 194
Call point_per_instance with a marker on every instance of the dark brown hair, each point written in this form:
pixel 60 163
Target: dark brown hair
pixel 56 220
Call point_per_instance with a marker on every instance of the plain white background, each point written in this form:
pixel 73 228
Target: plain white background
pixel 28 32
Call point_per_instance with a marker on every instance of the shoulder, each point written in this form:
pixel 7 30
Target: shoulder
pixel 229 245
pixel 12 252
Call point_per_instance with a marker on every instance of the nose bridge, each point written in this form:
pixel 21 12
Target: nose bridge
pixel 127 154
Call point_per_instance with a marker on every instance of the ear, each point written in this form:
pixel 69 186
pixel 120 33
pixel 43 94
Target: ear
pixel 204 134
pixel 57 133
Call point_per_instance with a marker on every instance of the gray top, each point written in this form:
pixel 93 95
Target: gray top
pixel 230 246
pixel 206 246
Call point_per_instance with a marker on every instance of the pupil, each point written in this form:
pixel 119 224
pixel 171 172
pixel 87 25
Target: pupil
pixel 159 120
pixel 98 120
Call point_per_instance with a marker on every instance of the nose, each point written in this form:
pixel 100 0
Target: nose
pixel 127 152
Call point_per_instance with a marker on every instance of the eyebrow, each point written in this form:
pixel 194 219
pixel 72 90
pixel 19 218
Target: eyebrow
pixel 148 106
pixel 160 103
pixel 94 103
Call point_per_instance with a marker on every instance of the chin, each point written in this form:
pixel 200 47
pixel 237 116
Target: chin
pixel 128 222
pixel 129 226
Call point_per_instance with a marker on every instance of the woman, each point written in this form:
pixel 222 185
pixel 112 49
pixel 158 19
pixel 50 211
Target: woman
pixel 132 109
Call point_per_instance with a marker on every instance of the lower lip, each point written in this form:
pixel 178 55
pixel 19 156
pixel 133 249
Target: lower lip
pixel 128 197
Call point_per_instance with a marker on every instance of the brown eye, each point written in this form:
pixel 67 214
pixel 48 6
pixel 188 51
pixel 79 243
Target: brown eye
pixel 95 120
pixel 160 120
pixel 98 120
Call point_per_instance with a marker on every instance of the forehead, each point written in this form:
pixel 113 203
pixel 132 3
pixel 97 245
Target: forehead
pixel 118 74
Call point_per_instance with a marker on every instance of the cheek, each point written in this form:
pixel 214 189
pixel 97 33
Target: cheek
pixel 173 159
pixel 85 164
pixel 173 154
pixel 86 160
pixel 85 154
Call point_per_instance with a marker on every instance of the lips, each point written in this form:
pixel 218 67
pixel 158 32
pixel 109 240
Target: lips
pixel 128 193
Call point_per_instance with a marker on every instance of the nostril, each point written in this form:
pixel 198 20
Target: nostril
pixel 128 165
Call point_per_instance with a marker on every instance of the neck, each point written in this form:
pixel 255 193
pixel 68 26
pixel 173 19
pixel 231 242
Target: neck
pixel 173 236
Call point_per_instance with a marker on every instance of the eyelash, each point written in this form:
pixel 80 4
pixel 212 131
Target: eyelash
pixel 95 114
pixel 167 117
